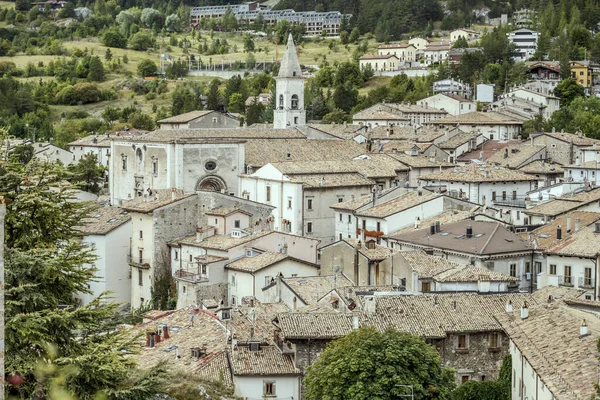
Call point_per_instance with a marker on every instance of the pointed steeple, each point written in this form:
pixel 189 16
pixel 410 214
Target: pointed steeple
pixel 290 65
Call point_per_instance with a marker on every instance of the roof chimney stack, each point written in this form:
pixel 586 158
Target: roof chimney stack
pixel 173 194
pixel 558 233
pixel 524 311
pixel 577 224
pixel 568 224
pixel 583 329
pixel 469 231
pixel 508 307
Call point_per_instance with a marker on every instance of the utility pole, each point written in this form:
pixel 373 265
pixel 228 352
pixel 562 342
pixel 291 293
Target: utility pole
pixel 3 203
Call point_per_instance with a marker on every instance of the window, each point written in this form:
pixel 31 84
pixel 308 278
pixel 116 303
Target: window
pixel 183 289
pixel 295 102
pixel 514 196
pixel 236 223
pixel 269 388
pixel 140 277
pixel 379 227
pixel 493 196
pixel 281 102
pixel 552 269
pixel 140 255
pixel 513 270
pixel 210 165
pixel 155 167
pixel 504 195
pixel 340 199
pixel 341 217
pixel 527 267
pixel 232 280
pixel 124 163
pixel 349 218
pixel 538 267
pixel 268 194
pixel 567 274
pixel 341 236
pixel 289 203
pixel 464 378
pixel 295 120
pixel 462 342
pixel 203 270
pixel 309 227
pixel 494 340
pixel 191 258
pixel 141 235
pixel 587 279
pixel 309 204
pixel 426 287
pixel 176 255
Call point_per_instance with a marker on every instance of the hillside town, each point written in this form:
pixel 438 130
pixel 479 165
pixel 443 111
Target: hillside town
pixel 309 254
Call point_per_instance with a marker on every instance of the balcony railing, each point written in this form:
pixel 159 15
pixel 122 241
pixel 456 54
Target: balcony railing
pixel 510 202
pixel 190 276
pixel 138 262
pixel 585 282
pixel 565 280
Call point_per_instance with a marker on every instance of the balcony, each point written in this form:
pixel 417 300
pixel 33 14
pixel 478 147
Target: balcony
pixel 191 275
pixel 585 282
pixel 138 262
pixel 565 280
pixel 519 201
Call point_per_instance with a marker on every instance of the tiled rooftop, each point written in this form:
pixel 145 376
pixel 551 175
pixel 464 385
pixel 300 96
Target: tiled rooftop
pixel 104 140
pixel 550 341
pixel 377 254
pixel 446 217
pixel 186 117
pixel 514 156
pixel 565 203
pixel 580 140
pixel 222 242
pixel 478 173
pixel 458 140
pixel 204 135
pixel 158 198
pixel 267 361
pixel 225 211
pixel 311 288
pixel 478 118
pixel 371 114
pixel 489 238
pixel 420 161
pixel 331 180
pixel 342 131
pixel 421 135
pixel 583 243
pixel 545 236
pixel 399 204
pixel 542 167
pixel 103 220
pixel 256 263
pixel 487 150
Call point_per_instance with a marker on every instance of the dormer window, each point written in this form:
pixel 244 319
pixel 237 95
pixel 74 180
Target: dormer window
pixel 254 346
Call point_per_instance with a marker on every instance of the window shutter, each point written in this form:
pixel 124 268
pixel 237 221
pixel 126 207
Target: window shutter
pixel 274 390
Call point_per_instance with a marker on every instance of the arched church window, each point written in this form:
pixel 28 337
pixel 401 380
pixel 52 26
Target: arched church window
pixel 281 102
pixel 295 102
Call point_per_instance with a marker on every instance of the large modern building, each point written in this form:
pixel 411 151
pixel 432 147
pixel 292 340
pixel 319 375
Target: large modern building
pixel 315 22
pixel 525 41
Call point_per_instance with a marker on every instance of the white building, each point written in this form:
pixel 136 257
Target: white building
pixel 418 42
pixel 108 232
pixel 405 53
pixel 379 63
pixel 451 86
pixel 289 111
pixel 491 124
pixel 435 53
pixel 485 92
pixel 550 103
pixel 200 119
pixel 50 152
pixel 468 34
pixel 525 41
pixel 99 145
pixel 453 104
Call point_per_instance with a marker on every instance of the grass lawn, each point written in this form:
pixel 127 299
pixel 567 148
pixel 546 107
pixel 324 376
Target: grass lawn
pixel 7 4
pixel 374 83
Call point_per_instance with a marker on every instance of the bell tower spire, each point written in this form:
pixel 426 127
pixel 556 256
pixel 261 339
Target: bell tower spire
pixel 289 102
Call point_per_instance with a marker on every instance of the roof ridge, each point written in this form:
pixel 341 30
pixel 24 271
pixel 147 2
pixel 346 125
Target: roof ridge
pixel 490 238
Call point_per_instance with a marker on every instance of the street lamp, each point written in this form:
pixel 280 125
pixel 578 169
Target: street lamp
pixel 412 392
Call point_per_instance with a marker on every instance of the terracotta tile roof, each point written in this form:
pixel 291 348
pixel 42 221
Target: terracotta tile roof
pixel 266 362
pixel 444 218
pixel 371 114
pixel 425 265
pixel 354 204
pixel 489 238
pixel 377 254
pixel 545 236
pixel 371 166
pixel 477 172
pixel 585 165
pixel 256 263
pixel 514 156
pixel 104 140
pixel 256 315
pixel 471 273
pixel 457 97
pixel 542 167
pixel 158 199
pixel 324 325
pixel 414 108
pixel 583 243
pixel 458 140
pixel 332 180
pixel 487 150
pixel 215 367
pixel 378 57
pixel 420 161
pixel 421 135
pixel 262 152
pixel 565 203
pixel 311 288
pixel 186 117
pixel 399 204
pixel 222 242
pixel 207 135
pixel 103 220
pixel 342 131
pixel 394 46
pixel 550 341
pixel 477 118
pixel 571 138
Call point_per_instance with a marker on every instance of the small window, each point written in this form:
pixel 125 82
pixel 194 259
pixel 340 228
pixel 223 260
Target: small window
pixel 140 277
pixel 552 269
pixel 493 196
pixel 464 378
pixel 295 120
pixel 210 165
pixel 191 259
pixel 426 287
pixel 349 218
pixel 281 102
pixel 309 204
pixel 462 343
pixel 155 167
pixel 527 267
pixel 269 389
pixel 236 223
pixel 124 163
pixel 289 203
pixel 494 340
pixel 176 255
pixel 504 195
pixel 295 102
pixel 568 274
pixel 309 227
pixel 514 195
pixel 341 217
pixel 513 270
pixel 268 194
pixel 183 289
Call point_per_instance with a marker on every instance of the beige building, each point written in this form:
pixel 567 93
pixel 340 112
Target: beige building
pixel 468 34
pixel 405 52
pixel 419 43
pixel 379 63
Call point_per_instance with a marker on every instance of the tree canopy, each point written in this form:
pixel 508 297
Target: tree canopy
pixel 367 364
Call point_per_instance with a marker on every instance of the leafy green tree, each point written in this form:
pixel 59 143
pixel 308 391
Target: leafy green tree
pixel 96 70
pixel 141 41
pixel 567 90
pixel 110 115
pixel 108 55
pixel 147 67
pixel 185 99
pixel 236 103
pixel 460 43
pixel 250 61
pixel 345 97
pixel 354 35
pixel 487 390
pixel 176 70
pixel 348 72
pixel 336 116
pixel 248 43
pixel 213 99
pixel 114 38
pixel 88 175
pixel 151 17
pixel 496 46
pixel 367 364
pixel 173 23
pixel 47 268
pixel 22 154
pixel 140 120
pixel 255 113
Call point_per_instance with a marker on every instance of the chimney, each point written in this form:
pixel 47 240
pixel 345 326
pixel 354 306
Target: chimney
pixel 355 321
pixel 173 194
pixel 469 231
pixel 157 338
pixel 454 305
pixel 437 226
pixel 583 329
pixel 577 161
pixel 151 334
pixel 597 226
pixel 558 233
pixel 251 333
pixel 505 153
pixel 165 330
pixel 508 307
pixel 524 311
pixel 568 224
pixel 577 224
pixel 417 222
pixel 420 193
pixel 199 234
pixel 284 249
pixel 432 229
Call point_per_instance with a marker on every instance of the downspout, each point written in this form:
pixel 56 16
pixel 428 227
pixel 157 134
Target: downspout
pixel 281 206
pixel 302 219
pixel 531 269
pixel 522 376
pixel 596 276
pixel 392 261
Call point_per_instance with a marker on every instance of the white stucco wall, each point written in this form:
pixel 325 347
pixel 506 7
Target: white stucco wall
pixel 251 387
